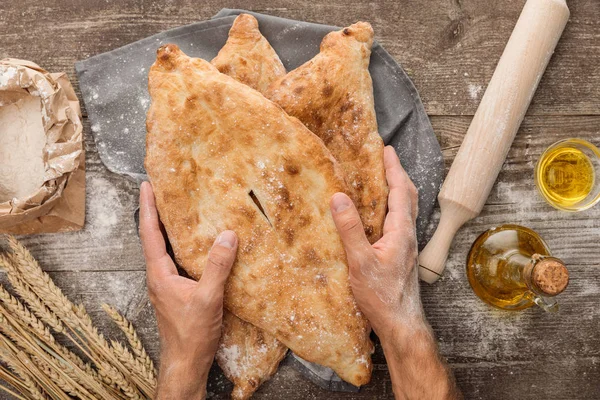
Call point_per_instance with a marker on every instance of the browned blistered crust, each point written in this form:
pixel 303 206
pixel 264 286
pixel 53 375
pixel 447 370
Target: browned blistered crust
pixel 332 94
pixel 247 56
pixel 211 141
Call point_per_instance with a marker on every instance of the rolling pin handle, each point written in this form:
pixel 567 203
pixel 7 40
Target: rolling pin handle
pixel 432 260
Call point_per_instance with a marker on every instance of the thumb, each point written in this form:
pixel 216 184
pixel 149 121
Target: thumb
pixel 220 260
pixel 348 223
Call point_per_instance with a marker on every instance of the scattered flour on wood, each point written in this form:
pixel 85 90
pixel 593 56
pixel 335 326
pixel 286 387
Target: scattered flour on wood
pixel 474 91
pixel 104 207
pixel 589 289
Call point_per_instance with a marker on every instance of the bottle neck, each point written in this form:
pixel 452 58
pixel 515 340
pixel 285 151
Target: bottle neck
pixel 517 270
pixel 520 269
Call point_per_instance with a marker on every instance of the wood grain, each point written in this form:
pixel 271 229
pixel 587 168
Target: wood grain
pixel 449 47
pixel 494 354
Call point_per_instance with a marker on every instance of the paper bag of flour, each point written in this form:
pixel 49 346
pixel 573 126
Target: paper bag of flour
pixel 42 178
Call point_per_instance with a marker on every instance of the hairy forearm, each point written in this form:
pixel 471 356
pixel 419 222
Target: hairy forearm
pixel 416 370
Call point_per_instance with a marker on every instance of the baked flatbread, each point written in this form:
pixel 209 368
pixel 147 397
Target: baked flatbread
pixel 221 156
pixel 247 355
pixel 332 94
pixel 247 56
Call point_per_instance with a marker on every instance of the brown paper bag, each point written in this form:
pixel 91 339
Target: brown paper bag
pixel 59 204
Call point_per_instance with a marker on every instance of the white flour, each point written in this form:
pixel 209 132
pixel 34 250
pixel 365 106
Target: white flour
pixel 22 142
pixel 474 91
pixel 104 207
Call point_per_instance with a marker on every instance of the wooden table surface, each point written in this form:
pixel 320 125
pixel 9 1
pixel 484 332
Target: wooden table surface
pixel 449 48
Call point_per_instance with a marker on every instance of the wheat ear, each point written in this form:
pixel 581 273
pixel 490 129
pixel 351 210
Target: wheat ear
pixel 60 372
pixel 113 376
pixel 49 385
pixel 34 302
pixel 59 380
pixel 74 316
pixel 39 281
pixel 147 384
pixel 25 289
pixel 134 341
pixel 77 371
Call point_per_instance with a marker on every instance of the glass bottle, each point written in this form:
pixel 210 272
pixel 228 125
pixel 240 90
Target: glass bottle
pixel 511 267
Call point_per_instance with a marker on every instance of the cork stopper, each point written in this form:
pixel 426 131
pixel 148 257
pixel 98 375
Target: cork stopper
pixel 550 276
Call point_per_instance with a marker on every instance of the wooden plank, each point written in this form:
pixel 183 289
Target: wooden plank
pixel 493 353
pixel 449 47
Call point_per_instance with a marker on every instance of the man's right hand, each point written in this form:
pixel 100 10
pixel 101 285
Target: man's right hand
pixel 384 276
pixel 384 282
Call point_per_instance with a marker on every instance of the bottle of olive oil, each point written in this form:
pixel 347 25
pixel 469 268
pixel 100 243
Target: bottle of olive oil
pixel 565 176
pixel 511 267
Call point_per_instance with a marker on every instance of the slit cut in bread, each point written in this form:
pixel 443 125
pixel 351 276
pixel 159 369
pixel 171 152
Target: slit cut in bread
pixel 247 355
pixel 211 140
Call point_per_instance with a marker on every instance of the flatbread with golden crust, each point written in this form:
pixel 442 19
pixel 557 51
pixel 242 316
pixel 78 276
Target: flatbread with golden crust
pixel 221 156
pixel 332 95
pixel 247 56
pixel 247 355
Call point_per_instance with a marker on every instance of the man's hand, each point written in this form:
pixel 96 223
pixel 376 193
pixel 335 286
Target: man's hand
pixel 384 276
pixel 189 313
pixel 384 281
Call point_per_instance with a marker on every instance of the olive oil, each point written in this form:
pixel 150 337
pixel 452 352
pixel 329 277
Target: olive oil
pixel 510 267
pixel 566 176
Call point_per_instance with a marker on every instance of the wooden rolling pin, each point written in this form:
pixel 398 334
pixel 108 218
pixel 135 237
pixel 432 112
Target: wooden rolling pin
pixel 494 126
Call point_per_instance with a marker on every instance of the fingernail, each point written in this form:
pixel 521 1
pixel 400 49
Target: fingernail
pixel 226 239
pixel 340 202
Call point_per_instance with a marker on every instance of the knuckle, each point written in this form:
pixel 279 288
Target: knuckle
pixel 218 259
pixel 350 223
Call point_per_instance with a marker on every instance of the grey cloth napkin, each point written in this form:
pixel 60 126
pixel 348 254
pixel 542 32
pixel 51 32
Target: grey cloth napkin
pixel 114 88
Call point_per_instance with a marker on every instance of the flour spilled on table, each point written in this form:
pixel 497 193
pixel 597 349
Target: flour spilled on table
pixel 474 91
pixel 104 207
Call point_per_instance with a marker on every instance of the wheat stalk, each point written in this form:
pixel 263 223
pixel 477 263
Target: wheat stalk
pixel 12 380
pixel 7 390
pixel 134 341
pixel 40 363
pixel 8 357
pixel 63 373
pixel 77 371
